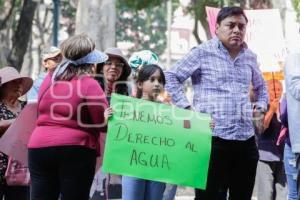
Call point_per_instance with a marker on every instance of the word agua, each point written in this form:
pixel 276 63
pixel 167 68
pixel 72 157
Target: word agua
pixel 149 160
pixel 142 158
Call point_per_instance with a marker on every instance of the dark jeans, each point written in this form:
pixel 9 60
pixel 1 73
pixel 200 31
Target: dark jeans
pixel 67 170
pixel 233 167
pixel 14 192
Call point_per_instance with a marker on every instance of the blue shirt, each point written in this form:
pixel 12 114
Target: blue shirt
pixel 292 81
pixel 221 87
pixel 32 94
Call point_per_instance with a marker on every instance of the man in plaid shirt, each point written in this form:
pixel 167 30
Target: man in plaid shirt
pixel 222 70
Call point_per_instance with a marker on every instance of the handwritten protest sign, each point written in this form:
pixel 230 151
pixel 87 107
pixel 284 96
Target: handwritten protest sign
pixel 15 139
pixel 159 142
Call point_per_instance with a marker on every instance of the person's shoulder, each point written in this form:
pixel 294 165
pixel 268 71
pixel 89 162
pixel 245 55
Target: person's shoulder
pixel 88 80
pixel 205 47
pixel 208 45
pixel 88 83
pixel 249 51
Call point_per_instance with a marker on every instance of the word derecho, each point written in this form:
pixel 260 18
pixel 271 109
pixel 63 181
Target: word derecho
pixel 143 158
pixel 140 157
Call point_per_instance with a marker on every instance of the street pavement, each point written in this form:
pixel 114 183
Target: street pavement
pixel 187 193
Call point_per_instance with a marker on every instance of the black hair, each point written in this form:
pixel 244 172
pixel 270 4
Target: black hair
pixel 230 11
pixel 145 73
pixel 120 88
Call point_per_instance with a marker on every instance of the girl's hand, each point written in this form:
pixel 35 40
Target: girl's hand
pixel 212 124
pixel 108 113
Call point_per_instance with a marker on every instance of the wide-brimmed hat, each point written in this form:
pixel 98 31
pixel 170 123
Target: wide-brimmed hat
pixel 8 74
pixel 116 52
pixel 50 52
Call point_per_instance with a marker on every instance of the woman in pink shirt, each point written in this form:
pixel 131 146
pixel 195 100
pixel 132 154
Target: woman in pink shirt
pixel 64 145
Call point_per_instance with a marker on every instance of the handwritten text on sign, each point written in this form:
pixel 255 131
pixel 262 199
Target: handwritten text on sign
pixel 157 142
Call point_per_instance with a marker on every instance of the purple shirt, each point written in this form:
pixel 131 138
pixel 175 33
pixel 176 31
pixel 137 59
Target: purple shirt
pixel 221 87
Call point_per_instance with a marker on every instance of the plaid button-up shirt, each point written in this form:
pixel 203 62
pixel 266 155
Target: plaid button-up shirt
pixel 221 87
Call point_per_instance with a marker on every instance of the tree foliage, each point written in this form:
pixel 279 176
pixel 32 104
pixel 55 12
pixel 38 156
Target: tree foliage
pixel 143 23
pixel 141 4
pixel 296 4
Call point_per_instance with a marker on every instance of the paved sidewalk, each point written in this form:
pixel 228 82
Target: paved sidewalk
pixel 187 193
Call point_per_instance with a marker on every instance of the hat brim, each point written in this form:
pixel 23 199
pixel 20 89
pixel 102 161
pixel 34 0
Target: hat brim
pixel 99 56
pixel 127 68
pixel 51 55
pixel 27 83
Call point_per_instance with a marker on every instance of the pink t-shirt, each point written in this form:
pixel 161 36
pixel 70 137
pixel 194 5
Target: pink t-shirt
pixel 69 113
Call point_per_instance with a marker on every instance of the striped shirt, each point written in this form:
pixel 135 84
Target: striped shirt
pixel 221 87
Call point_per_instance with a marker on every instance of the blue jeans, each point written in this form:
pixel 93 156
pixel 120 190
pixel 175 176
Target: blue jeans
pixel 290 171
pixel 170 192
pixel 140 189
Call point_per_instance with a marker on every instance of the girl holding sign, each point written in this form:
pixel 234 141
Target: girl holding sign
pixel 150 84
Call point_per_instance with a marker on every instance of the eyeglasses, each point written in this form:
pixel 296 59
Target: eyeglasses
pixel 119 65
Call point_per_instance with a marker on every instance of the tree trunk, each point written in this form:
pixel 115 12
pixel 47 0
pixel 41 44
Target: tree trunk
pixel 97 18
pixel 261 4
pixel 4 17
pixel 22 35
pixel 281 5
pixel 244 4
pixel 195 29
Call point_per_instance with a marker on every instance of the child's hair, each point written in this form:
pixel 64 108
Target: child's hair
pixel 145 73
pixel 74 48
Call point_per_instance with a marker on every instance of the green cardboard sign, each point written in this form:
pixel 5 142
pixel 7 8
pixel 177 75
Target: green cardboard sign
pixel 158 142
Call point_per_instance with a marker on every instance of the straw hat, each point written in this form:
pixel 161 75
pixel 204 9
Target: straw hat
pixel 116 52
pixel 8 74
pixel 50 52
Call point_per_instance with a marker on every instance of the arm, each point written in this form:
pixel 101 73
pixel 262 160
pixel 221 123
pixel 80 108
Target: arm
pixel 182 70
pixel 32 94
pixel 292 75
pixel 96 105
pixel 4 124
